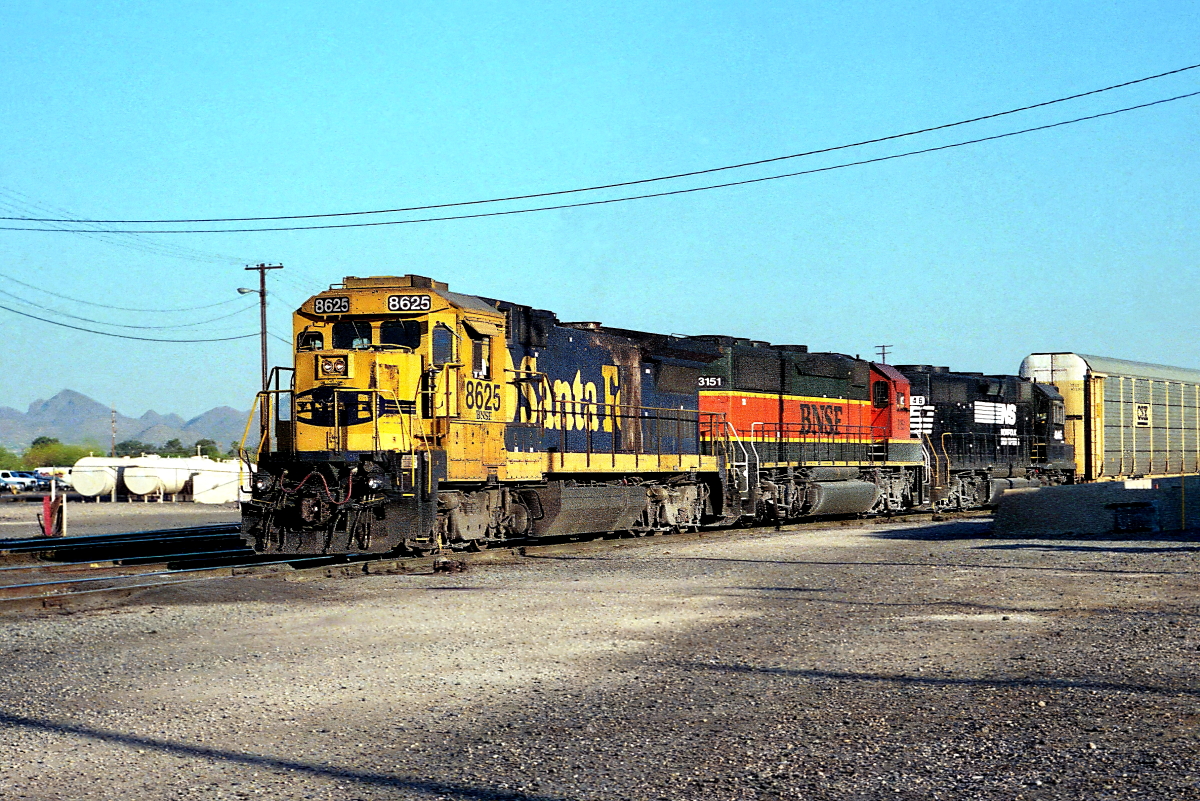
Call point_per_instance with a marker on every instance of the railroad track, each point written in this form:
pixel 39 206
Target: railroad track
pixel 149 559
pixel 52 570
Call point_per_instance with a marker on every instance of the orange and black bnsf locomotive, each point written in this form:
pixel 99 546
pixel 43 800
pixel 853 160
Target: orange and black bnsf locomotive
pixel 418 418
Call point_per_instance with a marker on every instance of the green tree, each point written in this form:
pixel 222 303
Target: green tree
pixel 9 460
pixel 133 447
pixel 174 447
pixel 52 453
pixel 208 447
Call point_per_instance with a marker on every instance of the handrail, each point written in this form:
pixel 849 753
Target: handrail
pixel 827 444
pixel 246 432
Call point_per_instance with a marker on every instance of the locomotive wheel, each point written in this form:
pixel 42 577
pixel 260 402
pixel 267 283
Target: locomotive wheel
pixel 475 546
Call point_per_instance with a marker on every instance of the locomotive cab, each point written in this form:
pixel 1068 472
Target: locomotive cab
pixel 375 369
pixel 1052 449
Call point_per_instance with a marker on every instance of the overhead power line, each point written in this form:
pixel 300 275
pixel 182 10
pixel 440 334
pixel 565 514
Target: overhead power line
pixel 21 203
pixel 123 325
pixel 667 193
pixel 125 336
pixel 598 187
pixel 234 299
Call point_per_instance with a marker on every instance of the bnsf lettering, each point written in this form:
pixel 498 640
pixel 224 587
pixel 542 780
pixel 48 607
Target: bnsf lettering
pixel 820 418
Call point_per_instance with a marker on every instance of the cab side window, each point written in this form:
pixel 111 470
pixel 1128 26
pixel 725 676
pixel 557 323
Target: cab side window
pixel 481 354
pixel 310 340
pixel 879 394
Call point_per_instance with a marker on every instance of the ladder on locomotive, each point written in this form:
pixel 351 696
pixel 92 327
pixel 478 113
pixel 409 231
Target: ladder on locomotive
pixel 730 446
pixel 938 465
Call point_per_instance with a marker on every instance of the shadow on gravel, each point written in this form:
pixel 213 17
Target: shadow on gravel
pixel 935 565
pixel 982 530
pixel 1044 546
pixel 931 681
pixel 942 532
pixel 237 589
pixel 444 789
pixel 747 592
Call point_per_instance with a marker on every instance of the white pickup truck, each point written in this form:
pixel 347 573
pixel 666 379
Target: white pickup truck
pixel 11 480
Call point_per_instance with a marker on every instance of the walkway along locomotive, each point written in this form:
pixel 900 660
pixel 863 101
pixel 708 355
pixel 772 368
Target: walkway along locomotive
pixel 418 418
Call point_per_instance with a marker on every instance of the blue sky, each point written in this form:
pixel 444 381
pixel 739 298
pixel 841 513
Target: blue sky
pixel 1081 238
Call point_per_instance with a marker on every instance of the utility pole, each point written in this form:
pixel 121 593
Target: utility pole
pixel 265 418
pixel 113 450
pixel 883 349
pixel 262 308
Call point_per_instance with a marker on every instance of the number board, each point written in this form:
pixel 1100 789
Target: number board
pixel 481 399
pixel 711 382
pixel 408 303
pixel 331 305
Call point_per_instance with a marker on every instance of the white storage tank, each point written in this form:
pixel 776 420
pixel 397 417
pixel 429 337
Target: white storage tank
pixel 220 481
pixel 98 475
pixel 154 475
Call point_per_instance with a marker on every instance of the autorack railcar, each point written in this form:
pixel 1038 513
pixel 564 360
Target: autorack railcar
pixel 1125 419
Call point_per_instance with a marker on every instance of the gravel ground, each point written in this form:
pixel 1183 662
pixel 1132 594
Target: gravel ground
pixel 885 662
pixel 19 519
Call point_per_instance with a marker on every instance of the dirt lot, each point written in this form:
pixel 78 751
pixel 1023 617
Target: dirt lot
pixel 886 662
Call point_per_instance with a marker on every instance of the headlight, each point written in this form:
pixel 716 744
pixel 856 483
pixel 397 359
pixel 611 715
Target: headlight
pixel 332 367
pixel 375 483
pixel 262 482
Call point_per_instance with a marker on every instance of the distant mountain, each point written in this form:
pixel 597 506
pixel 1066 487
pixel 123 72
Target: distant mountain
pixel 75 418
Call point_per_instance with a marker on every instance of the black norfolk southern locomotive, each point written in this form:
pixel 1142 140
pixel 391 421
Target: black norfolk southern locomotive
pixel 984 434
pixel 417 418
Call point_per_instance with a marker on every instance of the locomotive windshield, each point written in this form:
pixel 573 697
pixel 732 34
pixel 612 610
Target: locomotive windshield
pixel 310 340
pixel 351 335
pixel 404 333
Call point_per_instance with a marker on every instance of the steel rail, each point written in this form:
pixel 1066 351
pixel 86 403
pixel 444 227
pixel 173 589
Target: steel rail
pixel 210 528
pixel 185 571
pixel 128 560
pixel 359 559
pixel 66 545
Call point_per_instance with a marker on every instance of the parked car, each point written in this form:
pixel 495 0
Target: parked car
pixel 44 483
pixel 16 481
